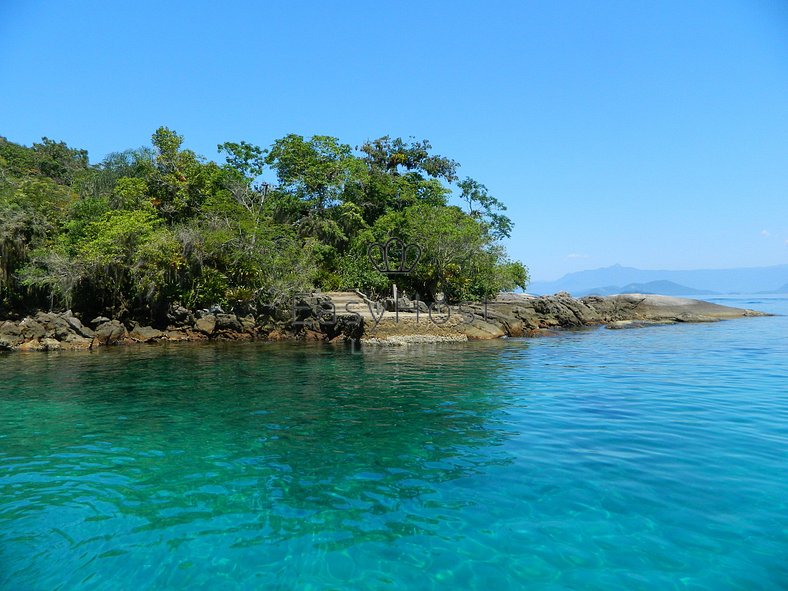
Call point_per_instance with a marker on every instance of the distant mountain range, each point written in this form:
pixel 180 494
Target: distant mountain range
pixel 618 279
pixel 783 289
pixel 652 287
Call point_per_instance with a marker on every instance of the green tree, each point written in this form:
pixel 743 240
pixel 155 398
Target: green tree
pixel 482 205
pixel 459 257
pixel 58 162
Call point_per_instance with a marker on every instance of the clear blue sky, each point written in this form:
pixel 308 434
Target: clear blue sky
pixel 651 134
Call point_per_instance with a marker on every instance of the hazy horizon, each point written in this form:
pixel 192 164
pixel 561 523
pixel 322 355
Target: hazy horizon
pixel 614 265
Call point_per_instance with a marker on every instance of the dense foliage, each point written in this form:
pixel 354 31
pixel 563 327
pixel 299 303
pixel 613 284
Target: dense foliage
pixel 151 227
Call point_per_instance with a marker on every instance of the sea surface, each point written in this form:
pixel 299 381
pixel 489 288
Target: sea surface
pixel 651 458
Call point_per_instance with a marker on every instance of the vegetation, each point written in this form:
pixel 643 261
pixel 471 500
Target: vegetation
pixel 148 228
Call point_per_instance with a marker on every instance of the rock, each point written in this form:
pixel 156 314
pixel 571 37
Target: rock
pixel 32 345
pixel 110 333
pixel 481 330
pixel 345 326
pixel 10 335
pixel 145 334
pixel 77 344
pixel 654 307
pixel 179 315
pixel 177 335
pixel 416 339
pixel 314 335
pixel 98 320
pixel 193 335
pixel 50 344
pixel 228 322
pixel 278 335
pixel 248 323
pixel 206 324
pixel 55 325
pixel 234 336
pixel 78 327
pixel 31 329
pixel 405 305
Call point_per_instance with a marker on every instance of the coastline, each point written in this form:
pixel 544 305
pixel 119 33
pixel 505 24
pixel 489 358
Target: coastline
pixel 346 316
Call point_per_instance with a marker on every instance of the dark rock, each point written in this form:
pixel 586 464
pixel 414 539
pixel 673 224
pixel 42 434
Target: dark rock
pixel 405 305
pixel 55 325
pixel 177 315
pixel 110 333
pixel 10 335
pixel 306 306
pixel 228 322
pixel 248 323
pixel 98 320
pixel 51 344
pixel 78 327
pixel 145 334
pixel 206 324
pixel 31 329
pixel 347 326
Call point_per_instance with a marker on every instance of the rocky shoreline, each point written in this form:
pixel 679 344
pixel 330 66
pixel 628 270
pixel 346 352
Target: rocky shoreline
pixel 348 316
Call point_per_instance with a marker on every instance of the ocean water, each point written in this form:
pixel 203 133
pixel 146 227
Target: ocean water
pixel 635 459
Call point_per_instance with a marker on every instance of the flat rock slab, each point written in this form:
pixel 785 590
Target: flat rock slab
pixel 657 307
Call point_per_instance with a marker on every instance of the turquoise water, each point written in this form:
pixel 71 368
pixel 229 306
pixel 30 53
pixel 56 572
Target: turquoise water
pixel 637 459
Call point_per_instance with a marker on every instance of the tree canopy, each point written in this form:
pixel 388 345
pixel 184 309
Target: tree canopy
pixel 151 227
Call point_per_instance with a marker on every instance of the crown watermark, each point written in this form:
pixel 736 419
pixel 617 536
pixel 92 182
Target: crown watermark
pixel 394 257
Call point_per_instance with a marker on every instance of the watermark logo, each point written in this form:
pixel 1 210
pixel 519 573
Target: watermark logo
pixel 394 257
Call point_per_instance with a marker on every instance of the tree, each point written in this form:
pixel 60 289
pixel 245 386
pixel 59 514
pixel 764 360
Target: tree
pixel 399 174
pixel 459 257
pixel 149 227
pixel 59 162
pixel 482 205
pixel 179 180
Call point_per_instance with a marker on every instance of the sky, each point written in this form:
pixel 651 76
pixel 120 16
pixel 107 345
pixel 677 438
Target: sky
pixel 649 134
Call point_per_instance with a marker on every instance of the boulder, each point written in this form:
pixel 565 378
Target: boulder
pixel 32 345
pixel 177 335
pixel 77 344
pixel 10 335
pixel 145 334
pixel 206 324
pixel 55 325
pixel 228 322
pixel 405 305
pixel 78 327
pixel 180 316
pixel 248 323
pixel 51 344
pixel 482 330
pixel 98 320
pixel 32 329
pixel 110 333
